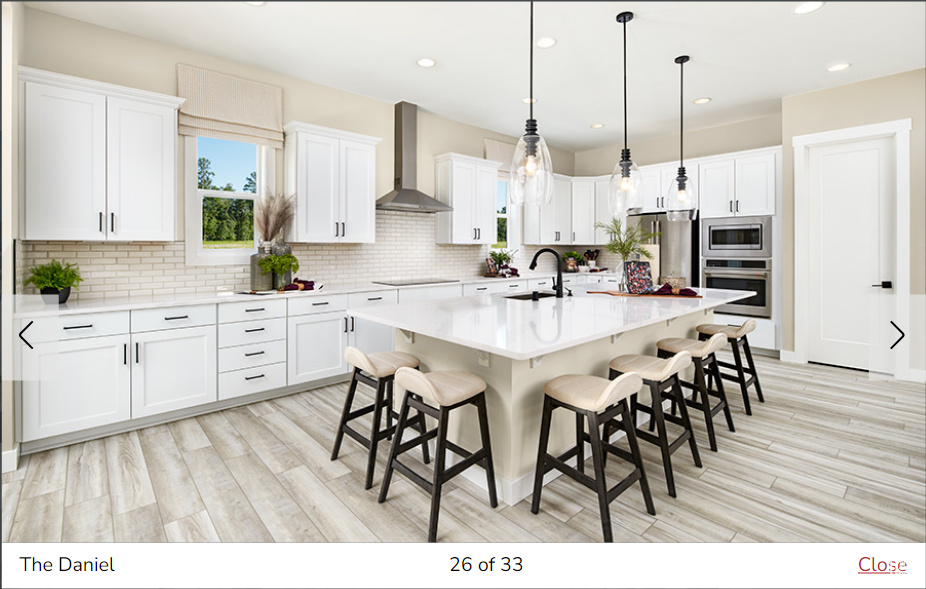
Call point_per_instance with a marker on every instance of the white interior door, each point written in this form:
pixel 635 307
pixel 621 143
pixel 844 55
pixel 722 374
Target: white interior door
pixel 851 239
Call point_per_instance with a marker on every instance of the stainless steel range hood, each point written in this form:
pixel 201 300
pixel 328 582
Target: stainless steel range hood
pixel 406 196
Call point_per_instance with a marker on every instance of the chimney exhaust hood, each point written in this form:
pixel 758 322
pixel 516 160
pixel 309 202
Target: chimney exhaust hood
pixel 406 196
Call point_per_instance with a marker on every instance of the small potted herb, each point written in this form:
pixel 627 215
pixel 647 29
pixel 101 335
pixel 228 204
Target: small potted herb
pixel 572 260
pixel 498 263
pixel 282 267
pixel 54 280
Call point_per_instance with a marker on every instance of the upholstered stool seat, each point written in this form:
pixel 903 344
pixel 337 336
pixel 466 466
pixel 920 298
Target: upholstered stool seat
pixel 736 336
pixel 436 394
pixel 376 371
pixel 598 401
pixel 660 377
pixel 703 354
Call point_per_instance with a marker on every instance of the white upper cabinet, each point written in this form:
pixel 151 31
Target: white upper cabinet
pixel 470 186
pixel 602 209
pixel 583 211
pixel 739 185
pixel 551 223
pixel 653 192
pixel 100 160
pixel 333 176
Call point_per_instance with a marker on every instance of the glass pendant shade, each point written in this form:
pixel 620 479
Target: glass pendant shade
pixel 625 191
pixel 531 180
pixel 681 199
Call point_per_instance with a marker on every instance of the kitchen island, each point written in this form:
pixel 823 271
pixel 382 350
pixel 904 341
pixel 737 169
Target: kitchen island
pixel 517 345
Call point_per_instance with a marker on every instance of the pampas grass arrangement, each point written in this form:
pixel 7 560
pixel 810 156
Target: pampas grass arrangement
pixel 272 214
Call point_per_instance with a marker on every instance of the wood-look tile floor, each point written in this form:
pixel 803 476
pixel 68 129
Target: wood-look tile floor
pixel 830 457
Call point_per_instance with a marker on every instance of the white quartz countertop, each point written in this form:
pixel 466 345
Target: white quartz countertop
pixel 525 329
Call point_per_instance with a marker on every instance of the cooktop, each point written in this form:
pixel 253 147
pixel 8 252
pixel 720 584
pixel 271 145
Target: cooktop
pixel 413 281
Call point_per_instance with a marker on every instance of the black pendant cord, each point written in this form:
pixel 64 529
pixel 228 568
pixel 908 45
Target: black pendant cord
pixel 531 95
pixel 625 84
pixel 681 116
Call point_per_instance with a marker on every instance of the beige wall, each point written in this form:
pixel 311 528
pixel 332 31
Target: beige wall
pixel 752 134
pixel 891 98
pixel 12 39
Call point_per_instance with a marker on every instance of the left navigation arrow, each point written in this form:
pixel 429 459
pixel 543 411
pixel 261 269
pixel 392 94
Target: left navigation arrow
pixel 24 339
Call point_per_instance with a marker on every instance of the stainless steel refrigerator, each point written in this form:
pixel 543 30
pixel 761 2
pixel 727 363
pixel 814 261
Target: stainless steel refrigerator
pixel 678 246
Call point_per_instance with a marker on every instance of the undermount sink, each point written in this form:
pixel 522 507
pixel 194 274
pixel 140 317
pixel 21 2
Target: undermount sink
pixel 527 296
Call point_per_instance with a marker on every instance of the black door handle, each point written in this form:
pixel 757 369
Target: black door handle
pixel 884 284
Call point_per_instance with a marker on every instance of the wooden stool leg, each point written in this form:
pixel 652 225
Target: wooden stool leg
pixel 715 369
pixel 679 399
pixel 580 443
pixel 351 390
pixel 663 435
pixel 705 403
pixel 752 368
pixel 742 375
pixel 438 478
pixel 542 453
pixel 423 428
pixel 601 485
pixel 638 461
pixel 374 431
pixel 394 452
pixel 486 444
pixel 390 406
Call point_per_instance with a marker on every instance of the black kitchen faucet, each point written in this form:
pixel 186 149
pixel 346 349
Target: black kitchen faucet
pixel 559 270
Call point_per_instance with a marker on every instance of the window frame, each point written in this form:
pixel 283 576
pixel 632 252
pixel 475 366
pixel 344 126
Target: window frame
pixel 196 254
pixel 513 214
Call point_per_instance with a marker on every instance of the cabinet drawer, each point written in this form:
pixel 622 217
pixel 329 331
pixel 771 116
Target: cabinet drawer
pixel 251 355
pixel 369 299
pixel 251 332
pixel 539 283
pixel 239 383
pixel 317 304
pixel 251 310
pixel 172 317
pixel 68 327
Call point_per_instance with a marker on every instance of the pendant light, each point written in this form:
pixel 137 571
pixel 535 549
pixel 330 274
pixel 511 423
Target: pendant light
pixel 626 187
pixel 681 198
pixel 531 181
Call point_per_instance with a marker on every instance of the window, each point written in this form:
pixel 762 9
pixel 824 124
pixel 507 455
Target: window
pixel 229 177
pixel 501 215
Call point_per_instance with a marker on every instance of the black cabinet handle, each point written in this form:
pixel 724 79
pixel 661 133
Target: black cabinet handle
pixel 125 354
pixel 319 304
pixel 343 229
pixel 253 330
pixel 136 352
pixel 336 227
pixel 253 377
pixel 512 286
pixel 479 233
pixel 79 326
pixel 254 353
pixel 345 325
pixel 731 206
pixel 352 324
pixel 177 317
pixel 112 222
pixel 101 221
pixel 374 298
pixel 482 288
pixel 254 310
pixel 737 206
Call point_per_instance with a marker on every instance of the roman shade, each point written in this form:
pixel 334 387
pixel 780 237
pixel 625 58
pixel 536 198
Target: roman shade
pixel 499 151
pixel 226 107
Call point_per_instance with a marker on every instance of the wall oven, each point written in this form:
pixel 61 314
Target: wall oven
pixel 737 237
pixel 747 274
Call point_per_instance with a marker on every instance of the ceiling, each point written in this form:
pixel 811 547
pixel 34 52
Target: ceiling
pixel 745 55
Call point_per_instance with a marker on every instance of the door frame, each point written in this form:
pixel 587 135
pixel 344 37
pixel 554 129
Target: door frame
pixel 899 131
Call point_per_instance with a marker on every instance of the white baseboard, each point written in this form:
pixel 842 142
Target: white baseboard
pixel 11 459
pixel 912 375
pixel 790 357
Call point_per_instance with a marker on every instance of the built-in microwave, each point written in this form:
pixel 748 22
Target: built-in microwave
pixel 737 237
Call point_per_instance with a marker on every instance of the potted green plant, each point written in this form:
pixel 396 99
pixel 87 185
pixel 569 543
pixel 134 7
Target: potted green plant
pixel 626 241
pixel 498 261
pixel 54 280
pixel 572 260
pixel 280 266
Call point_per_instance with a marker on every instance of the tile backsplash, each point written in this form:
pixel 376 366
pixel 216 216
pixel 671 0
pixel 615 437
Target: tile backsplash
pixel 404 248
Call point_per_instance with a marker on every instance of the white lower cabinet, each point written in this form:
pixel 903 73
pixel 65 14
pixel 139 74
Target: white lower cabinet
pixel 173 369
pixel 75 385
pixel 238 383
pixel 369 336
pixel 315 346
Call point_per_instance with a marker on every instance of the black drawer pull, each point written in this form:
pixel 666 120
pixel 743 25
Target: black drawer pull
pixel 482 288
pixel 253 377
pixel 254 310
pixel 317 304
pixel 177 317
pixel 512 286
pixel 254 353
pixel 79 326
pixel 253 330
pixel 374 298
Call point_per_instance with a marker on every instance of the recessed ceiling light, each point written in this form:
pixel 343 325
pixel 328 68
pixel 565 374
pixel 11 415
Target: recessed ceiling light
pixel 546 42
pixel 529 100
pixel 426 62
pixel 255 3
pixel 703 100
pixel 808 7
pixel 838 67
pixel 597 125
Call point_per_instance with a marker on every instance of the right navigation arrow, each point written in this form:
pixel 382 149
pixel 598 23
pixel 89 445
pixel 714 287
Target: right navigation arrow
pixel 902 334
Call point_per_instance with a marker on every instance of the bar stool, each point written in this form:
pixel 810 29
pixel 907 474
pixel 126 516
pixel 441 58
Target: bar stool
pixel 599 401
pixel 702 352
pixel 448 391
pixel 376 371
pixel 661 375
pixel 736 336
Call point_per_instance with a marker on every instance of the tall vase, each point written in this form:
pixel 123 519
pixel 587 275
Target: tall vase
pixel 260 280
pixel 281 248
pixel 625 282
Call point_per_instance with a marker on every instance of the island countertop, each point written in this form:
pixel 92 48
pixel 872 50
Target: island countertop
pixel 525 329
